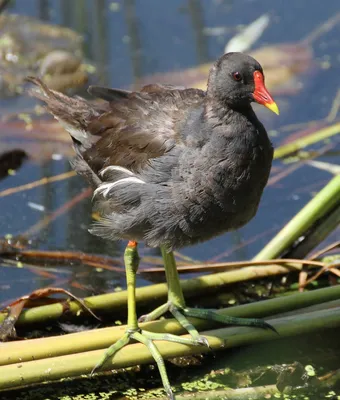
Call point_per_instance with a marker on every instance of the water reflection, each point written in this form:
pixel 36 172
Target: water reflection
pixel 128 40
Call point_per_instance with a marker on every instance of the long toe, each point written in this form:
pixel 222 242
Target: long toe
pixel 211 315
pixel 147 339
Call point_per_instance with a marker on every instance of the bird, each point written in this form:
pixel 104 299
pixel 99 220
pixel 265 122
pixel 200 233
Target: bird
pixel 171 167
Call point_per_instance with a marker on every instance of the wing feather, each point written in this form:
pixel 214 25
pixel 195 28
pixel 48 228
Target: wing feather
pixel 127 128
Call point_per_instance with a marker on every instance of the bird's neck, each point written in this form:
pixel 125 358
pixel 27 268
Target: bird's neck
pixel 221 113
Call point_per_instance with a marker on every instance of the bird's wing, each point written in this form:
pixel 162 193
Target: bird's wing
pixel 128 128
pixel 141 125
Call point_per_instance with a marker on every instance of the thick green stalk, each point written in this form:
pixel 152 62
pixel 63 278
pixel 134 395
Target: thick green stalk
pixel 113 302
pixel 49 369
pixel 34 349
pixel 319 206
pixel 315 137
pixel 318 233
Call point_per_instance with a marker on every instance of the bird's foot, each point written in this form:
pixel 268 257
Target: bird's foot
pixel 213 315
pixel 147 338
pixel 181 314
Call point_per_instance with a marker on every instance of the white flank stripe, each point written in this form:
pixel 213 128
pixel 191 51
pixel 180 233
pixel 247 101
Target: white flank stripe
pixel 107 187
pixel 115 168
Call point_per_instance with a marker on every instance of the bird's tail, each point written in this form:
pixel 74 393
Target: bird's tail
pixel 74 113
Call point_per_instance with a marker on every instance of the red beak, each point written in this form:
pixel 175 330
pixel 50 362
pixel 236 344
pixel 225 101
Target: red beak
pixel 261 94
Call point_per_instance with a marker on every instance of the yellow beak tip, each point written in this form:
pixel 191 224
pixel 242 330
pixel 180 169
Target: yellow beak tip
pixel 273 107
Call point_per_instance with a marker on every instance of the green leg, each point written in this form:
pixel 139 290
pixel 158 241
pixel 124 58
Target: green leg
pixel 133 331
pixel 175 294
pixel 176 302
pixel 176 305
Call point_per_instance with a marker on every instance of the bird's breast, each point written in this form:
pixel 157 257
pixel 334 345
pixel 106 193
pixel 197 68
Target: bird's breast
pixel 226 184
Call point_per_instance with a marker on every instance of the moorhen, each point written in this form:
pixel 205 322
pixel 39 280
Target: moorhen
pixel 171 167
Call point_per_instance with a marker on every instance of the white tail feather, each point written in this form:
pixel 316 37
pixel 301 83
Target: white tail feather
pixel 115 168
pixel 105 188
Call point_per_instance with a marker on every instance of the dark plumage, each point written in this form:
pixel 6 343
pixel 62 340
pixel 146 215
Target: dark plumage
pixel 191 164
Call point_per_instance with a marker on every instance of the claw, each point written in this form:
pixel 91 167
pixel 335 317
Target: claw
pixel 94 370
pixel 202 340
pixel 260 323
pixel 143 318
pixel 266 325
pixel 170 394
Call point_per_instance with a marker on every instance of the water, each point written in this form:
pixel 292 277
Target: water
pixel 129 40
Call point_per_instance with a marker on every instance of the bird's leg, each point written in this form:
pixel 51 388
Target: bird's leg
pixel 176 298
pixel 176 302
pixel 133 332
pixel 176 305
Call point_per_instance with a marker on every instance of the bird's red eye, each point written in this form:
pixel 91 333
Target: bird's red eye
pixel 237 76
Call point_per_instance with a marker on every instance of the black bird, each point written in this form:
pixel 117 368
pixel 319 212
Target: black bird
pixel 171 167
